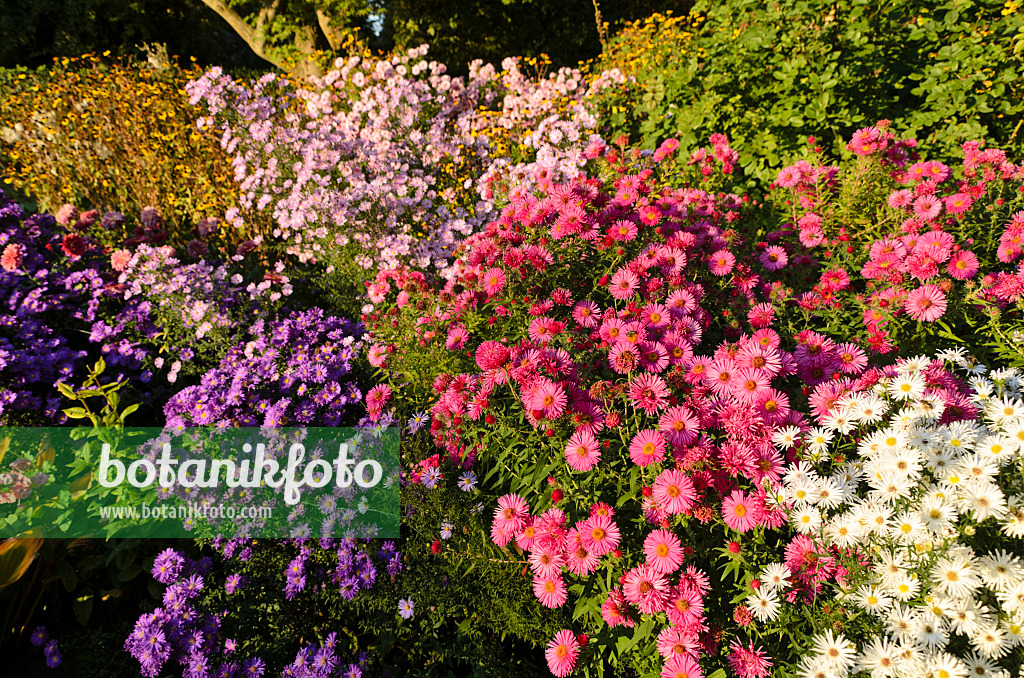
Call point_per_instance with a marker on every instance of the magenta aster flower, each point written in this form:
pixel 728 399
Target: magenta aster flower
pixel 491 355
pixel 614 611
pixel 645 588
pixel 774 258
pixel 579 560
pixel 549 398
pixel 927 207
pixel 673 490
pixel 679 425
pixel 647 447
pixel 963 265
pixel 510 515
pixel 562 652
pixel 583 451
pixel 748 385
pixel 585 314
pixel 624 357
pixel 649 392
pixel 546 563
pixel 684 606
pixel 664 551
pixel 926 303
pixel 550 591
pixel 739 511
pixel 674 640
pixel 378 397
pixel 493 281
pixel 721 262
pixel 600 534
pixel 746 662
pixel 681 666
pixel 624 284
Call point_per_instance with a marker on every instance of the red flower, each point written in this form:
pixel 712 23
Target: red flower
pixel 73 245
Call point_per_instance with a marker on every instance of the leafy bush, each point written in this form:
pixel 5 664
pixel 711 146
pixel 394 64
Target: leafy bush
pixel 110 135
pixel 769 75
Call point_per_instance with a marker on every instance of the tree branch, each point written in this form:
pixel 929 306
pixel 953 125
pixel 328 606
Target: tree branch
pixel 333 36
pixel 253 36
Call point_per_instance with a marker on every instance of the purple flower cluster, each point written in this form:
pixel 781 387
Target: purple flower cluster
pixel 321 661
pixel 287 372
pixel 188 308
pixel 41 638
pixel 176 631
pixel 43 292
pixel 377 154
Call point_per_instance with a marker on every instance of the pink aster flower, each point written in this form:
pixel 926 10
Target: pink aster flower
pixel 761 315
pixel 546 563
pixel 774 258
pixel 654 357
pixel 680 303
pixel 491 355
pixel 457 337
pixel 377 397
pixel 647 447
pixel 958 203
pixel 493 281
pixel 510 515
pixel 13 257
pixel 900 198
pixel 549 398
pixel 748 384
pixel 684 606
pixel 673 640
pixel 624 357
pixel 746 662
pixel 673 490
pixel 655 315
pixel 614 611
pixel 579 560
pixel 681 666
pixel 599 534
pixel 787 177
pixel 623 284
pixel 649 392
pixel 852 360
pixel 612 330
pixel 927 207
pixel 583 451
pixel 679 426
pixel 926 303
pixel 721 262
pixel 720 376
pixel 963 265
pixel 562 652
pixel 772 405
pixel 550 591
pixel 739 511
pixel 664 551
pixel 623 231
pixel 585 314
pixel 645 588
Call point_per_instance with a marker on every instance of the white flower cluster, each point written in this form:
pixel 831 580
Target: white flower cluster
pixel 904 504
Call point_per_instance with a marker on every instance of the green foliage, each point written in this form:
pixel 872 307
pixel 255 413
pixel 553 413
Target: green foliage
pixel 768 75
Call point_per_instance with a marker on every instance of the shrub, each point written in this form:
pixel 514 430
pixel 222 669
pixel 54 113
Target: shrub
pixel 111 135
pixel 767 75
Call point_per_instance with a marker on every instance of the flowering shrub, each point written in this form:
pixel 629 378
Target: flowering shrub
pixel 103 133
pixel 573 323
pixel 388 154
pixel 939 70
pixel 189 630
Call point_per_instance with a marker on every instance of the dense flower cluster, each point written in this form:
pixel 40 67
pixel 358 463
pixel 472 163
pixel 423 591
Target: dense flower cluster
pixel 286 372
pixel 185 628
pixel 933 236
pixel 581 311
pixel 375 151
